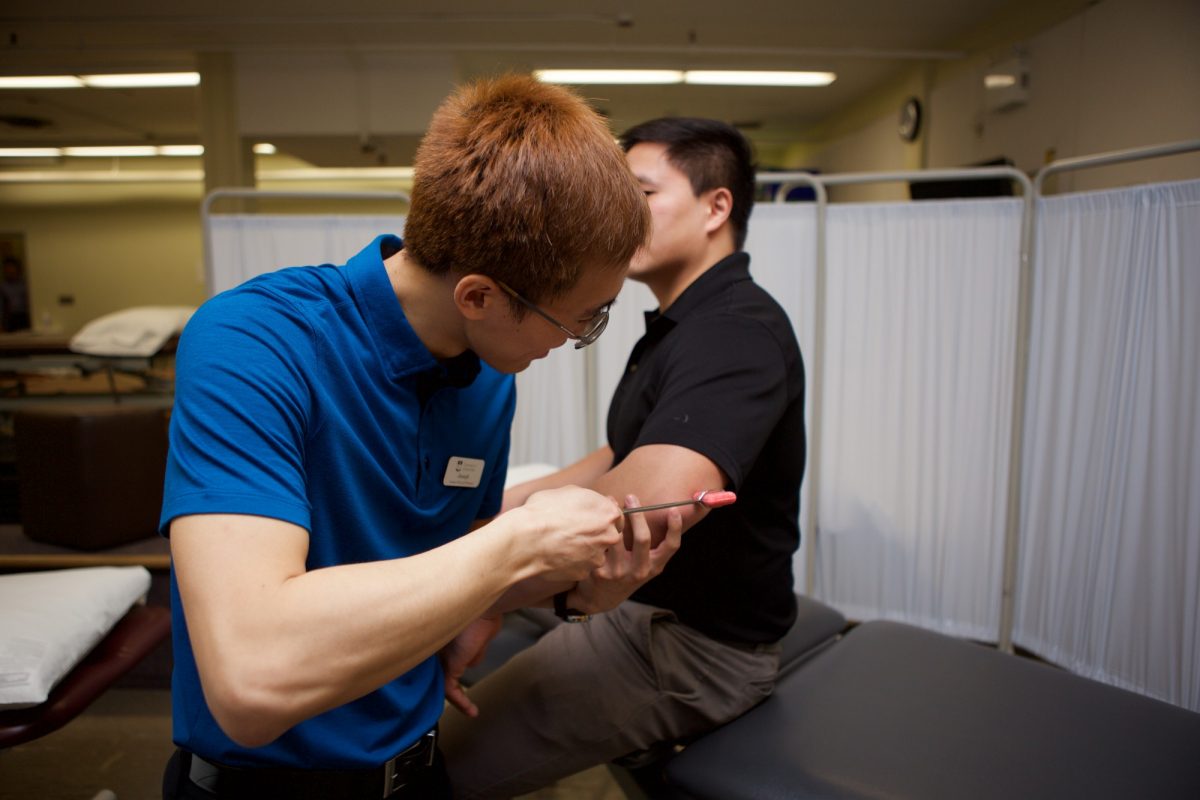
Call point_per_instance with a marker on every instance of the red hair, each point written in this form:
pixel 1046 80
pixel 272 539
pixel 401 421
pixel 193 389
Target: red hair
pixel 523 182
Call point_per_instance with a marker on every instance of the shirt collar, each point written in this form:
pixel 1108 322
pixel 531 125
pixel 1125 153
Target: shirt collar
pixel 402 351
pixel 731 269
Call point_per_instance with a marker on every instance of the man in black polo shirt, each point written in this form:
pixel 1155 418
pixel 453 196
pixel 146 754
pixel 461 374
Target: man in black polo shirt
pixel 712 397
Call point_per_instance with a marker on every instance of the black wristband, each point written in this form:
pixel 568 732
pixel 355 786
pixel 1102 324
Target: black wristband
pixel 567 614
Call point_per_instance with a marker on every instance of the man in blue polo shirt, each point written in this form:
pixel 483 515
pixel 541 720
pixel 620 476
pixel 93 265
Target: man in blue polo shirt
pixel 338 451
pixel 712 397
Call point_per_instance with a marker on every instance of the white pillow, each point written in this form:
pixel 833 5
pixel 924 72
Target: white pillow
pixel 137 331
pixel 50 620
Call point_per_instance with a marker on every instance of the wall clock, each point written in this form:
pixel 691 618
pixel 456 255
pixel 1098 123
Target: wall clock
pixel 910 119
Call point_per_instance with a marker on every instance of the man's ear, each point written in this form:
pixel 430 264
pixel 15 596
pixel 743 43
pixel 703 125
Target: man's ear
pixel 720 206
pixel 476 295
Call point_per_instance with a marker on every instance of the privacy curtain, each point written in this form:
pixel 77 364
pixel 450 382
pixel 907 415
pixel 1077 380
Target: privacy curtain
pixel 245 245
pixel 1109 583
pixel 551 426
pixel 918 377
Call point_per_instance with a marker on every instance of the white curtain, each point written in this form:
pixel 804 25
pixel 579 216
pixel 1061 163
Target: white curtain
pixel 550 425
pixel 245 245
pixel 1110 545
pixel 920 327
pixel 626 324
pixel 783 260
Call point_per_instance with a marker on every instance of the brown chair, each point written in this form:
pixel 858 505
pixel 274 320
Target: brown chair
pixel 90 476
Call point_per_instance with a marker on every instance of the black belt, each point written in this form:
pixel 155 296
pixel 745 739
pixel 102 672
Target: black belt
pixel 262 782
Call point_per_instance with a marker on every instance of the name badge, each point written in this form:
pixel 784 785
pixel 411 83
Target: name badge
pixel 466 472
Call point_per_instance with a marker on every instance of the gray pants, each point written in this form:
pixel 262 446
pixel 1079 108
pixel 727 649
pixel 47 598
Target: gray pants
pixel 590 692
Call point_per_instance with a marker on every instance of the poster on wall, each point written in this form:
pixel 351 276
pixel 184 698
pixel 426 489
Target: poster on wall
pixel 14 288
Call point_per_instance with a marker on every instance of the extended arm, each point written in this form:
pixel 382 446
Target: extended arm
pixel 660 473
pixel 276 644
pixel 653 473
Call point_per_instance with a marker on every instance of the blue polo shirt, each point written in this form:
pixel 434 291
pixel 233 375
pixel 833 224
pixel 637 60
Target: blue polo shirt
pixel 304 395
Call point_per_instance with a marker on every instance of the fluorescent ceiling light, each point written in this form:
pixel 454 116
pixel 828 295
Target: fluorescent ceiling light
pixel 104 152
pixel 30 152
pixel 264 149
pixel 610 76
pixel 40 82
pixel 92 176
pixel 707 77
pixel 122 81
pixel 112 152
pixel 715 77
pixel 181 150
pixel 999 81
pixel 141 80
pixel 308 174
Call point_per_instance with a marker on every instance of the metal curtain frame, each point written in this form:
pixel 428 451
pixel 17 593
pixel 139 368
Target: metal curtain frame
pixel 1112 157
pixel 1020 358
pixel 250 193
pixel 1012 542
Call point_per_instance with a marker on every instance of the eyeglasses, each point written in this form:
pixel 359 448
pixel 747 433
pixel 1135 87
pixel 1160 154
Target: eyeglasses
pixel 592 328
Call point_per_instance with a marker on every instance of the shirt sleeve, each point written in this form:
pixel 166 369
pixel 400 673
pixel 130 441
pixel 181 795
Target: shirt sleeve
pixel 241 414
pixel 721 394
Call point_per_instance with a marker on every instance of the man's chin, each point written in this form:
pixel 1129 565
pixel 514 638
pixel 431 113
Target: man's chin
pixel 638 272
pixel 517 365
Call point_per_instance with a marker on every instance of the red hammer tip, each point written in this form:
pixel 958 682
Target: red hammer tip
pixel 715 499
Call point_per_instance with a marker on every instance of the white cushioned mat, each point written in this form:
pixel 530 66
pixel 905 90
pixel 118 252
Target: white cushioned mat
pixel 137 331
pixel 50 620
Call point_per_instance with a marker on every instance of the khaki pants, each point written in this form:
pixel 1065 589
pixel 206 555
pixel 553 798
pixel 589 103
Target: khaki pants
pixel 590 692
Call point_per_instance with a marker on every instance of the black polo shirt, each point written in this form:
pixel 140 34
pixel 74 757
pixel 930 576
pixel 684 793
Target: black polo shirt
pixel 720 373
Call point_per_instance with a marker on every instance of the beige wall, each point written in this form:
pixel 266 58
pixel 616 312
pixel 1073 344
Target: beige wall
pixel 1122 74
pixel 107 248
pixel 112 246
pixel 1117 75
pixel 875 147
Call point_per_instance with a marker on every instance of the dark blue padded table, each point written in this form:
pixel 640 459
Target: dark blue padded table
pixel 895 711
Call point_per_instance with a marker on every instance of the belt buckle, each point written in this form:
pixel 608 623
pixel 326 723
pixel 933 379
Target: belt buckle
pixel 394 767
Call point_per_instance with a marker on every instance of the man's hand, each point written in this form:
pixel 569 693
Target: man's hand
pixel 465 651
pixel 623 571
pixel 572 528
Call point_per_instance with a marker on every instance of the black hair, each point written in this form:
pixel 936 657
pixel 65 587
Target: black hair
pixel 711 153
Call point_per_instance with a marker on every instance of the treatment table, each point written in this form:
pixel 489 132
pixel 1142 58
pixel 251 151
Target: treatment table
pixel 889 710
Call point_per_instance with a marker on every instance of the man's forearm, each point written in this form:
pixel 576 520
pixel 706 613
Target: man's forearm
pixel 583 472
